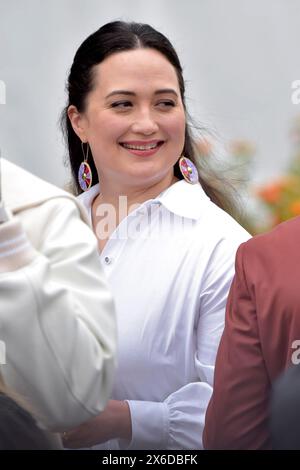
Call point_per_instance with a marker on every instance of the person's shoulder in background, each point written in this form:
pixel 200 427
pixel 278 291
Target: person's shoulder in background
pixel 278 242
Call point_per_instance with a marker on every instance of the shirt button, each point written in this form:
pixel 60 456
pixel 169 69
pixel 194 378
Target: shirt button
pixel 107 260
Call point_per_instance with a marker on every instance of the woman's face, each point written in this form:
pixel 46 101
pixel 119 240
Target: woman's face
pixel 134 120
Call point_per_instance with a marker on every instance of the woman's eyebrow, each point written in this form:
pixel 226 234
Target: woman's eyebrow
pixel 166 90
pixel 121 92
pixel 131 93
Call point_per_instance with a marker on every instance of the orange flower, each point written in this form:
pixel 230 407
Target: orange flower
pixel 272 192
pixel 295 207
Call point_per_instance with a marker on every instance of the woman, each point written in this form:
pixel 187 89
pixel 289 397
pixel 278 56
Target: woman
pixel 167 249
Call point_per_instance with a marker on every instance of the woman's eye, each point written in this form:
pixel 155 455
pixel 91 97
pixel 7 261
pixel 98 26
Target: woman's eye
pixel 121 104
pixel 166 104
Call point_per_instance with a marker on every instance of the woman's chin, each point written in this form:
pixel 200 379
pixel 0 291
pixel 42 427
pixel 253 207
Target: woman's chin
pixel 145 178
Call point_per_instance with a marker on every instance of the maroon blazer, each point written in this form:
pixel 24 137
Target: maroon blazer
pixel 262 322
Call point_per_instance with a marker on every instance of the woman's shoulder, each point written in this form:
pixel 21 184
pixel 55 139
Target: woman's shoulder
pixel 208 221
pixel 216 223
pixel 224 224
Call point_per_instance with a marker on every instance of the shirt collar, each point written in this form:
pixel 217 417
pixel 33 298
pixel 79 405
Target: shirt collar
pixel 182 198
pixel 87 197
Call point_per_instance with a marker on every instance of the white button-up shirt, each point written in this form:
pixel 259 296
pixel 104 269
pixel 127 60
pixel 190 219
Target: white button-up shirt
pixel 169 264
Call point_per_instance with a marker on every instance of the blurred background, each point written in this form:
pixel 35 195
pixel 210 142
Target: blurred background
pixel 241 66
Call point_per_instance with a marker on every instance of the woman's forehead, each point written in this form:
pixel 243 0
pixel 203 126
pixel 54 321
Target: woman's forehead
pixel 135 68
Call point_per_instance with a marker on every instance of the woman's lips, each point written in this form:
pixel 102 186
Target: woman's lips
pixel 142 148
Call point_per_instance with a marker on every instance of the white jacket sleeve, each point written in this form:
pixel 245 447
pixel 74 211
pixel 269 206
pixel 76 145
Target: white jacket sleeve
pixel 57 316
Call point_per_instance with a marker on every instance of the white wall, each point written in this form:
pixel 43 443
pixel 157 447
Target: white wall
pixel 240 58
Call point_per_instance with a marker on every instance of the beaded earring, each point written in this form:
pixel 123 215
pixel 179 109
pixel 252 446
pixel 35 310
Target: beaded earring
pixel 85 176
pixel 188 170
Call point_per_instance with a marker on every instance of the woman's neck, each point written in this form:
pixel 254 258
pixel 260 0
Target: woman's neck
pixel 114 203
pixel 110 194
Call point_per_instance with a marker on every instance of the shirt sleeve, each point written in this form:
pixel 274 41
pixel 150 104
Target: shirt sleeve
pixel 178 421
pixel 57 317
pixel 237 414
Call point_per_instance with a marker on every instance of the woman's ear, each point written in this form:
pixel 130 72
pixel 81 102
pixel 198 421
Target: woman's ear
pixel 77 122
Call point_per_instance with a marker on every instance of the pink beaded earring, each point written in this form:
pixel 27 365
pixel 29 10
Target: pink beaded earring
pixel 85 176
pixel 188 170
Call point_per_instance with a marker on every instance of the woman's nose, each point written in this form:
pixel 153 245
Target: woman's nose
pixel 145 123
